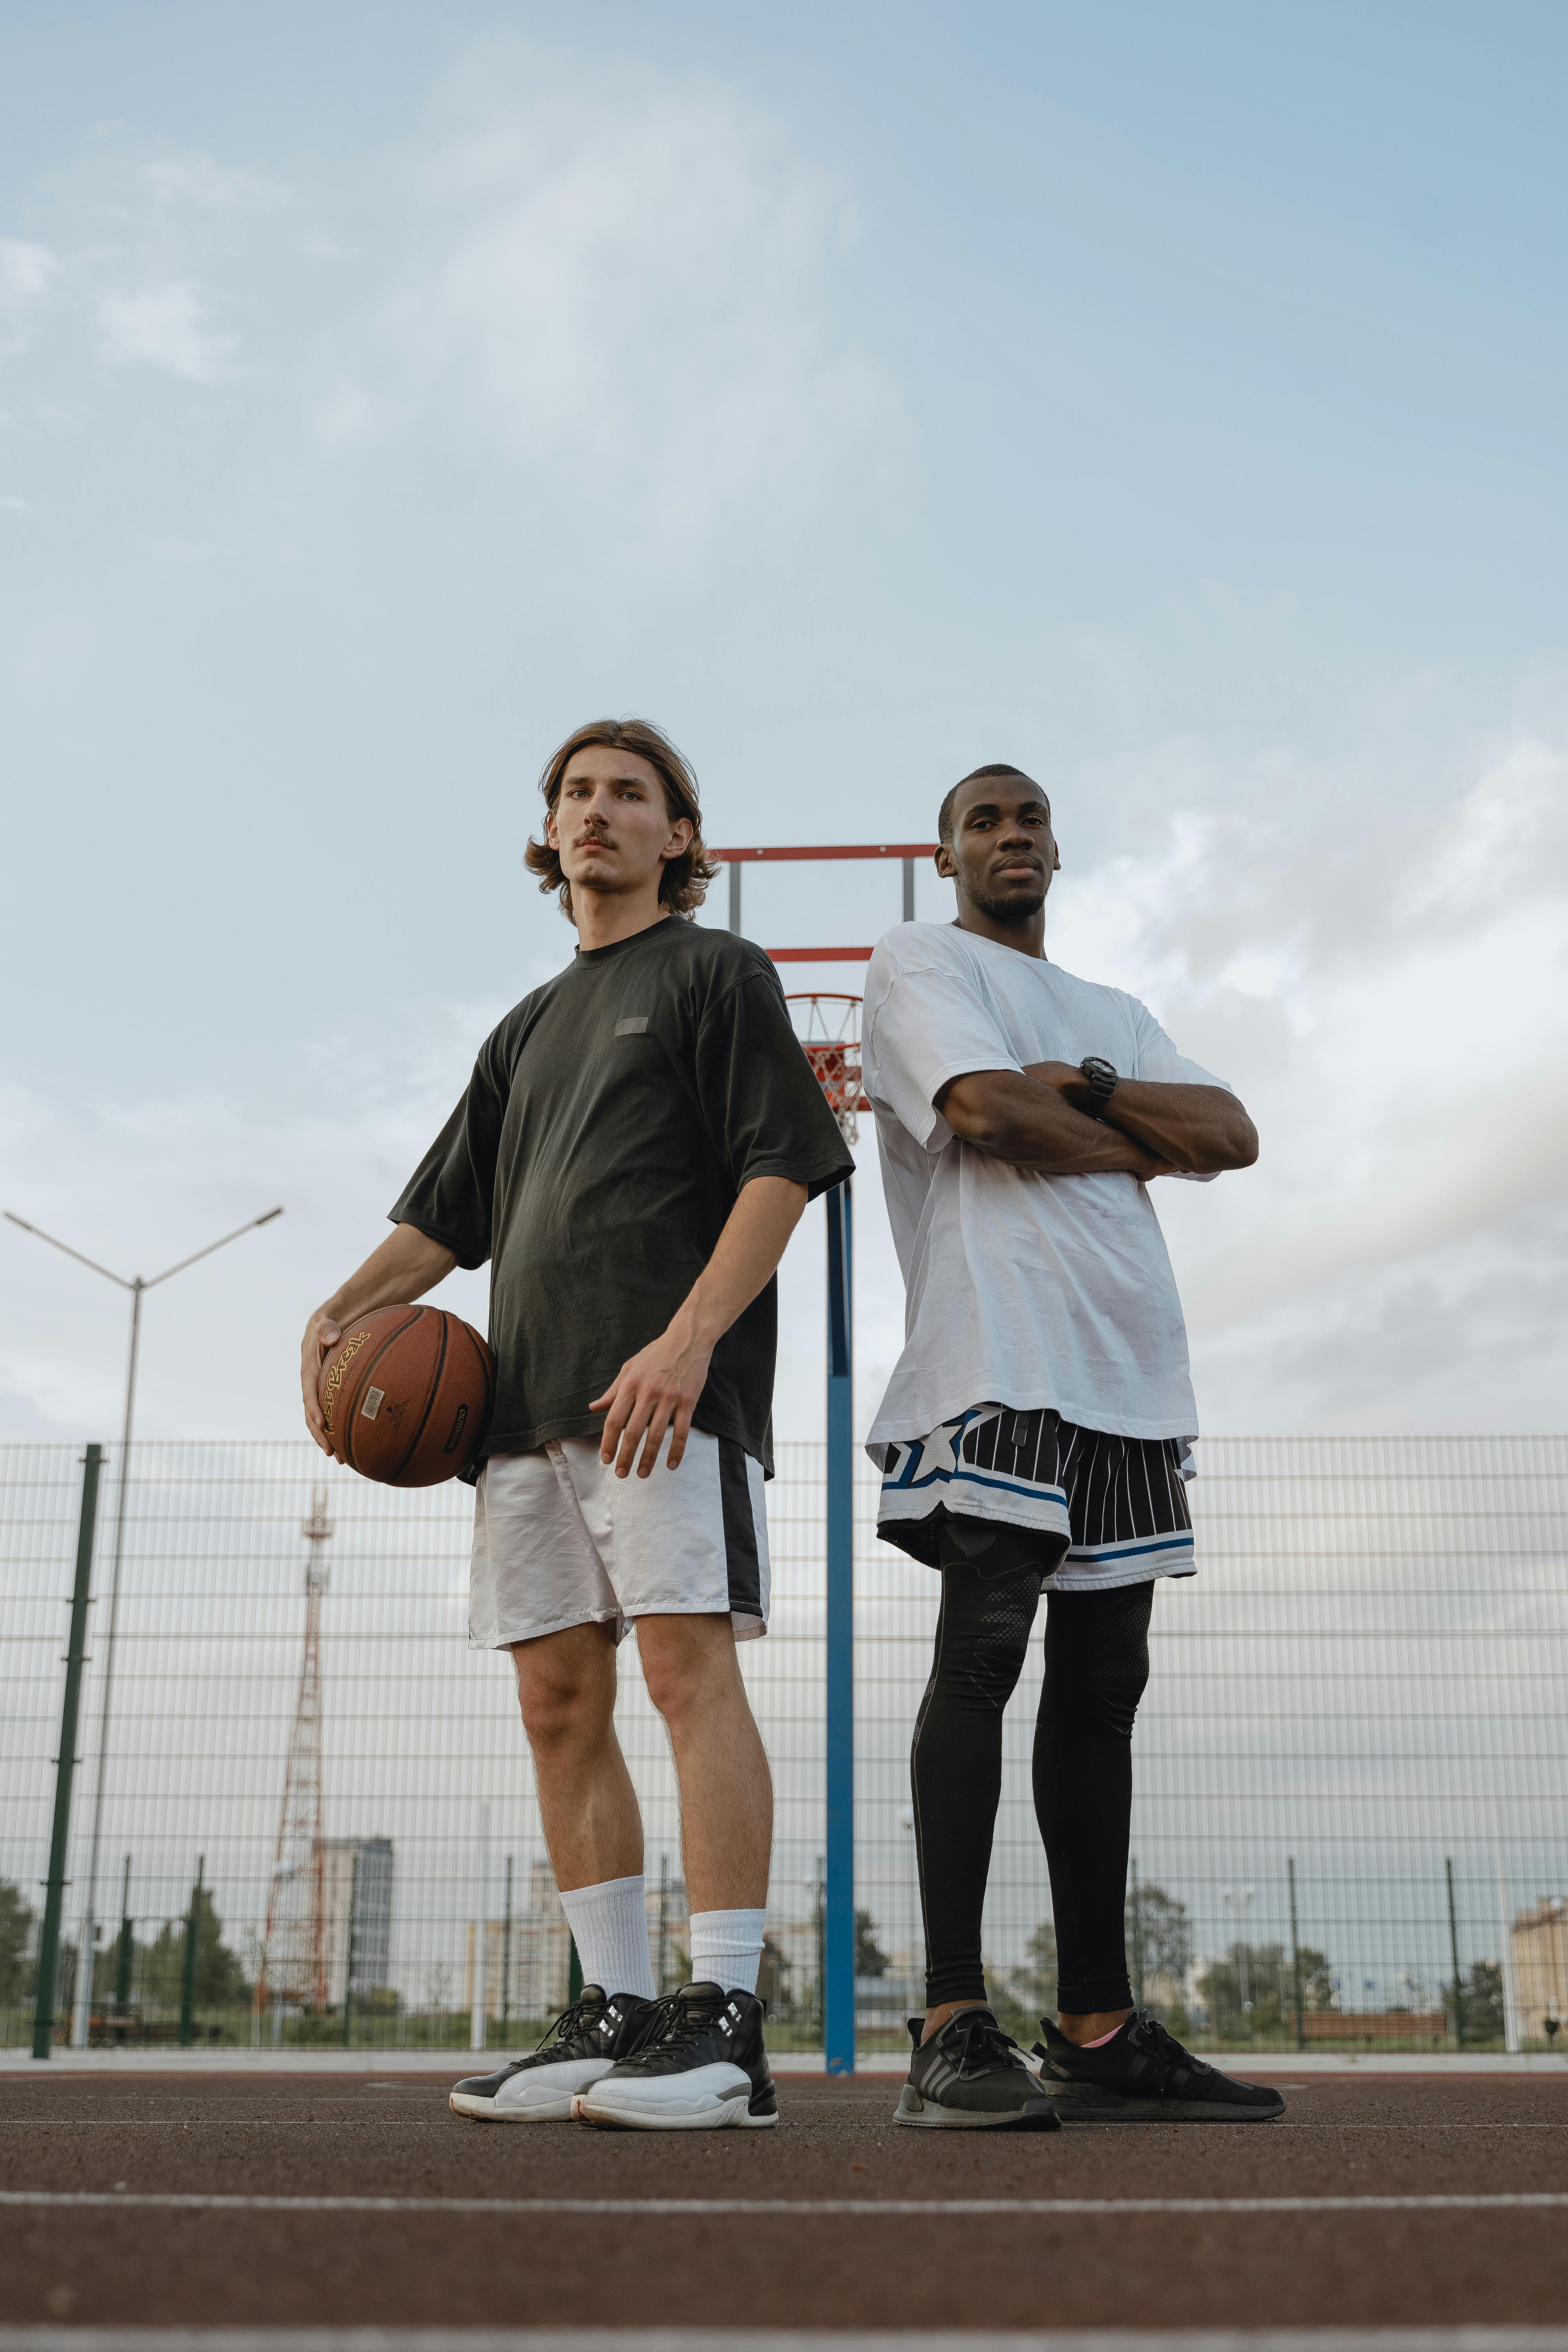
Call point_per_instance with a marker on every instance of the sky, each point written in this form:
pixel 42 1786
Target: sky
pixel 1169 400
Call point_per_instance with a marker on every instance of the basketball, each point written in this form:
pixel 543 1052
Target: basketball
pixel 406 1395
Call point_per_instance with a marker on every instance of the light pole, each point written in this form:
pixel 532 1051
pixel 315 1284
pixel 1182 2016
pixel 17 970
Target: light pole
pixel 136 1286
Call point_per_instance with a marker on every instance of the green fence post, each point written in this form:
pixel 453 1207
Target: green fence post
pixel 193 1935
pixel 66 1762
pixel 349 1959
pixel 122 1972
pixel 1296 1958
pixel 506 1958
pixel 1454 1950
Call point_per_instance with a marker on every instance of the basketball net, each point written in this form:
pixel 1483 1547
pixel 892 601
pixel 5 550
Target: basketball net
pixel 829 1027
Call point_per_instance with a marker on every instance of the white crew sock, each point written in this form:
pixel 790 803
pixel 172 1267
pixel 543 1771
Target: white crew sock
pixel 609 1926
pixel 727 1948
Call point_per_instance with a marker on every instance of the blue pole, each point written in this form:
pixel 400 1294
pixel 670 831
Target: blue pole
pixel 838 1930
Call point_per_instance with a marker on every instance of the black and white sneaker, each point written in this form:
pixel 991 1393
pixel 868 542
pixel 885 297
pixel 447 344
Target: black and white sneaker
pixel 1144 2075
pixel 969 2076
pixel 582 2044
pixel 700 2066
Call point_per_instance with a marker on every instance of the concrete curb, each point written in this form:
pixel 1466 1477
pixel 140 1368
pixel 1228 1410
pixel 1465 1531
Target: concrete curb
pixel 1273 2066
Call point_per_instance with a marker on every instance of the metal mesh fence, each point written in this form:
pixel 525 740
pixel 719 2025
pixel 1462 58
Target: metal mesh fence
pixel 1349 1764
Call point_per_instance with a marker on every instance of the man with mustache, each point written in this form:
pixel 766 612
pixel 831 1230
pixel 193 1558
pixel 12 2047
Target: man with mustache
pixel 1034 1437
pixel 632 1153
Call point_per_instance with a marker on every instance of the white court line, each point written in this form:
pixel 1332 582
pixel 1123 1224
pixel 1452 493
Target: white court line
pixel 858 2207
pixel 57 2338
pixel 336 2123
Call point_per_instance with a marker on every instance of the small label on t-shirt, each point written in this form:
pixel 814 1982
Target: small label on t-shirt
pixel 372 1405
pixel 634 1025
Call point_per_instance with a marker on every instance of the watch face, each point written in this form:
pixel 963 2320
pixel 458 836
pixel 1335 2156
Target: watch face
pixel 1096 1066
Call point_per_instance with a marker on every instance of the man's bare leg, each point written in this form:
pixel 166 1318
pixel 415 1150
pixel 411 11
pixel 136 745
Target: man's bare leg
pixel 1092 2027
pixel 711 2070
pixel 566 1686
pixel 939 2013
pixel 694 1679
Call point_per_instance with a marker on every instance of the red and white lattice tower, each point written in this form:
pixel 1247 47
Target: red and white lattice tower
pixel 294 1962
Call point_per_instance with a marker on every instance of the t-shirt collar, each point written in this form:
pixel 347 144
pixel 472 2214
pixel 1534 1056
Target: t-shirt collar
pixel 633 938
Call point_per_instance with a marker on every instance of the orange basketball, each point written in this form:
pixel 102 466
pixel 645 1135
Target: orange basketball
pixel 406 1393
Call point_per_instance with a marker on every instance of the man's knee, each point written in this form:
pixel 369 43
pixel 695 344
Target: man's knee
pixel 1097 1658
pixel 688 1664
pixel 566 1686
pixel 1111 1699
pixel 983 1641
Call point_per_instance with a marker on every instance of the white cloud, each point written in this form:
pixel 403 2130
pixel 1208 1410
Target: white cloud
pixel 1397 1016
pixel 140 250
pixel 168 327
pixel 1396 1022
pixel 646 314
pixel 29 275
pixel 200 183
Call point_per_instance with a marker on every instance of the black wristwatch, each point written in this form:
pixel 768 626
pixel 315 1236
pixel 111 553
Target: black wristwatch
pixel 1101 1075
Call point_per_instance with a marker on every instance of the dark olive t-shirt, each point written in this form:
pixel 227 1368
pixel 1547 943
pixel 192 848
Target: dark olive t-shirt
pixel 608 1127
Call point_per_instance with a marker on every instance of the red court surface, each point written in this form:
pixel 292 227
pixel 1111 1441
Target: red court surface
pixel 1378 2201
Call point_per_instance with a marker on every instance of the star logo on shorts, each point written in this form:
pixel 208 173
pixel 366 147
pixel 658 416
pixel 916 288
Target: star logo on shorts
pixel 939 1455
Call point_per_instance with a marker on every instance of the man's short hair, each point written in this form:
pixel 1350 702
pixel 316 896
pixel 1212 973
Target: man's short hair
pixel 997 768
pixel 684 885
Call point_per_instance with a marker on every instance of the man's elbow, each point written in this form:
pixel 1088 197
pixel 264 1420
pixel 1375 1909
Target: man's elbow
pixel 969 1112
pixel 1234 1146
pixel 985 1127
pixel 1241 1145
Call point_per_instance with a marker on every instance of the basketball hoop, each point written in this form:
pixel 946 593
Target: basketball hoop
pixel 829 1027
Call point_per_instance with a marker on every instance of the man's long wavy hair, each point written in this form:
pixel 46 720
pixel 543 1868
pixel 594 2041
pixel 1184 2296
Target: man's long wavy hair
pixel 684 885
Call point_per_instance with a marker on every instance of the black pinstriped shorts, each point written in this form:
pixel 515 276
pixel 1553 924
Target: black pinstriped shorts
pixel 1109 1509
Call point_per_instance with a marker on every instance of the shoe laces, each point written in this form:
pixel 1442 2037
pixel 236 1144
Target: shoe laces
pixel 1145 2032
pixel 572 2022
pixel 982 2043
pixel 673 2023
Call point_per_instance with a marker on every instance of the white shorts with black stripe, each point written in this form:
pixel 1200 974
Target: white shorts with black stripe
pixel 560 1541
pixel 1115 1506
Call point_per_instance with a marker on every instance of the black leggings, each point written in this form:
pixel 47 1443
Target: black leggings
pixel 1097 1664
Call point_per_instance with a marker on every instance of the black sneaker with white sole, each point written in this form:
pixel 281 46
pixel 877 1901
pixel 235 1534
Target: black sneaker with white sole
pixel 582 2044
pixel 1144 2075
pixel 969 2076
pixel 700 2066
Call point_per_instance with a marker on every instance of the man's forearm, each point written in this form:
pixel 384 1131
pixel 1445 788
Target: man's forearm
pixel 1016 1118
pixel 745 1256
pixel 658 1389
pixel 407 1265
pixel 1200 1129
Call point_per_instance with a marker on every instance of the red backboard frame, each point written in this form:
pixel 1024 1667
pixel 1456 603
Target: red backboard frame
pixel 905 851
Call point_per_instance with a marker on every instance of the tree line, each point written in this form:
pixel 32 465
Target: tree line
pixel 157 1964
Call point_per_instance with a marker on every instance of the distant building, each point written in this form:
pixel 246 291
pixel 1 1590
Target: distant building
pixel 356 1878
pixel 535 1980
pixel 538 1957
pixel 1539 1941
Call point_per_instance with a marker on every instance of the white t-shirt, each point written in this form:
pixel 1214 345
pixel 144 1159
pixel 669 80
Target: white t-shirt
pixel 1027 1289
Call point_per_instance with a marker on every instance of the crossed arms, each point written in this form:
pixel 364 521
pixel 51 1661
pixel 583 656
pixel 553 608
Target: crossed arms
pixel 1039 1119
